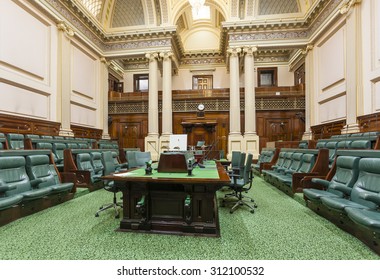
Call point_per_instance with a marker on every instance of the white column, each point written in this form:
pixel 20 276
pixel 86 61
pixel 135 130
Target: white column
pixel 235 139
pixel 64 79
pixel 167 111
pixel 309 92
pixel 251 139
pixel 152 140
pixel 354 83
pixel 104 92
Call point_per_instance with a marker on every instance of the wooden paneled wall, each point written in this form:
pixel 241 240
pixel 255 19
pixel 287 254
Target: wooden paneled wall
pixel 131 129
pixel 16 124
pixel 326 130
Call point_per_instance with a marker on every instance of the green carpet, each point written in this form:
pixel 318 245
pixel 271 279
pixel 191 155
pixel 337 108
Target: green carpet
pixel 281 229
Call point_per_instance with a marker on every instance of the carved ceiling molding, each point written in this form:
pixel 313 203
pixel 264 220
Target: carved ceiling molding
pixel 275 35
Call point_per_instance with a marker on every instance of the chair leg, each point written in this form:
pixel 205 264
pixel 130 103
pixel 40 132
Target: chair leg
pixel 114 205
pixel 241 202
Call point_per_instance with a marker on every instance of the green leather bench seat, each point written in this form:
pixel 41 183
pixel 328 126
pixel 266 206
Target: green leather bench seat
pixel 279 163
pixel 15 141
pixel 346 174
pixel 366 218
pixel 282 173
pixel 307 163
pixel 365 193
pixel 42 174
pixel 265 156
pixel 13 173
pixel 269 175
pixel 83 162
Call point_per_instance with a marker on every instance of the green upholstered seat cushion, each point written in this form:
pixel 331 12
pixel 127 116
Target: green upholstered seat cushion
pixel 366 218
pixel 315 195
pixel 339 204
pixel 9 201
pixel 64 187
pixel 36 193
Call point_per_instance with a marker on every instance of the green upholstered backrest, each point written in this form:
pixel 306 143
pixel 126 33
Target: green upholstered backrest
pixel 235 158
pixel 361 144
pixel 247 168
pixel 368 181
pixel 296 161
pixel 108 162
pixel 142 158
pixel 82 146
pixel 287 160
pixel 1 146
pixel 281 159
pixel 13 173
pixel 15 141
pixel 46 137
pixel 131 158
pixel 345 144
pixel 38 167
pixel 72 145
pixel 307 163
pixel 58 149
pixel 346 174
pixel 96 160
pixel 59 137
pixel 47 146
pixel 320 144
pixel 32 136
pixel 115 159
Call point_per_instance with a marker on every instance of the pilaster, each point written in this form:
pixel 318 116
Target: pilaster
pixel 104 91
pixel 309 93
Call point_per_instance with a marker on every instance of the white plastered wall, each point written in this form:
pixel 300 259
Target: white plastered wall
pixel 330 75
pixel 28 62
pixel 371 56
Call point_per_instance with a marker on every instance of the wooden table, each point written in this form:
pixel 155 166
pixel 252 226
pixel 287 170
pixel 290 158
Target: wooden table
pixel 171 202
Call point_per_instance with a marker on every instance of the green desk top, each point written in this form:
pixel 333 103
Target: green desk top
pixel 209 172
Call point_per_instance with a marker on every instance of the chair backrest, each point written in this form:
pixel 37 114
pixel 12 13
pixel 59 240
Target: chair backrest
pixel 248 169
pixel 115 160
pixel 320 144
pixel 295 163
pixel 59 137
pixel 361 144
pixel 13 173
pixel 32 136
pixel 108 162
pixel 281 159
pixel 368 181
pixel 83 162
pixel 346 174
pixel 96 160
pixel 58 149
pixel 235 159
pixel 287 160
pixel 345 144
pixel 131 158
pixel 46 137
pixel 82 146
pixel 15 141
pixel 72 145
pixel 44 146
pixel 38 167
pixel 142 158
pixel 307 163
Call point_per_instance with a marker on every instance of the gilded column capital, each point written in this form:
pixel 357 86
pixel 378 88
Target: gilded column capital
pixel 249 50
pixel 152 56
pixel 166 55
pixel 347 5
pixel 234 51
pixel 62 26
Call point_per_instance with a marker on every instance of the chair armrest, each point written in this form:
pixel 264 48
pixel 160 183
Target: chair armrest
pixel 35 182
pixel 343 189
pixel 375 198
pixel 69 177
pixel 321 182
pixel 4 188
pixel 83 177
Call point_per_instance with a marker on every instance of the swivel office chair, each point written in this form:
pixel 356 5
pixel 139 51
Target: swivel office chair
pixel 109 167
pixel 242 183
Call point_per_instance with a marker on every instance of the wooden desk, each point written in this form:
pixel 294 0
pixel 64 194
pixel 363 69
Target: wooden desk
pixel 171 202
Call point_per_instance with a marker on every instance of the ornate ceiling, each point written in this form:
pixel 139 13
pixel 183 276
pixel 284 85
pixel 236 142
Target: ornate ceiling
pixel 124 30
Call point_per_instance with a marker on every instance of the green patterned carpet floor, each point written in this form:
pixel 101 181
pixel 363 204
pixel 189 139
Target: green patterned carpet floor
pixel 282 228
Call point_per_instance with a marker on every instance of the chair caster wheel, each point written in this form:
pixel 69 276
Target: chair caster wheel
pixel 252 211
pixel 117 217
pixel 255 206
pixel 96 215
pixel 231 211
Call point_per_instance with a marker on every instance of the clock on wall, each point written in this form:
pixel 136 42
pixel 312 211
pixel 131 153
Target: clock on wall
pixel 201 110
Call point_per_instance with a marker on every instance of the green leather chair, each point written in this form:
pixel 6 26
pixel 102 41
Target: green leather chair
pixel 280 161
pixel 282 173
pixel 109 167
pixel 131 159
pixel 96 161
pixel 118 166
pixel 269 174
pixel 346 174
pixel 365 193
pixel 360 144
pixel 58 149
pixel 42 174
pixel 239 184
pixel 142 158
pixel 15 141
pixel 369 219
pixel 32 136
pixel 13 175
pixel 83 162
